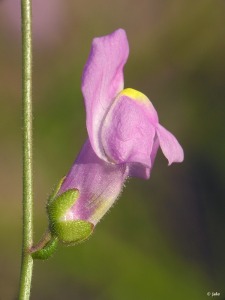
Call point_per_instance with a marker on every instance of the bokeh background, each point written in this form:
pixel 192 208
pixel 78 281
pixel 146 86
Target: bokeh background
pixel 164 239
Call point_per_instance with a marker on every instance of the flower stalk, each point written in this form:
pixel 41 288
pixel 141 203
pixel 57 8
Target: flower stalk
pixel 27 261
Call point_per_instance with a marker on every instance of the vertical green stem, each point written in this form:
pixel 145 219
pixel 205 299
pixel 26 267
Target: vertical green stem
pixel 27 261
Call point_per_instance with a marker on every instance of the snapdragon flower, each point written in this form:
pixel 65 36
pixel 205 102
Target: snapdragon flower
pixel 124 135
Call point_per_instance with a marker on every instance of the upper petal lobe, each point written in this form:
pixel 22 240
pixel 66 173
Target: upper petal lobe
pixel 102 80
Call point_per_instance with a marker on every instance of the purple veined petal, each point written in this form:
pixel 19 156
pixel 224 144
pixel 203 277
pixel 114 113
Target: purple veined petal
pixel 102 80
pixel 169 145
pixel 128 130
pixel 99 184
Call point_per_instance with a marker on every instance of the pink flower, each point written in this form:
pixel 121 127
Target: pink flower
pixel 124 133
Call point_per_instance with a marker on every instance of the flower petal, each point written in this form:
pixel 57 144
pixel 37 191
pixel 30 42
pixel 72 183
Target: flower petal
pixel 99 184
pixel 141 171
pixel 102 80
pixel 138 170
pixel 169 145
pixel 128 130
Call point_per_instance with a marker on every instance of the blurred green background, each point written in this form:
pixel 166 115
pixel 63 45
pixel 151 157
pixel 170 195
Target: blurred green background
pixel 164 239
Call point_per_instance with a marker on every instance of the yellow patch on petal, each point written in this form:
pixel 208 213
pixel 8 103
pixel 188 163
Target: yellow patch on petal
pixel 134 94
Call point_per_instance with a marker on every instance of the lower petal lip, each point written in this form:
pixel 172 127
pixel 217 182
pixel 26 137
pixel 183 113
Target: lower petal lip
pixel 169 145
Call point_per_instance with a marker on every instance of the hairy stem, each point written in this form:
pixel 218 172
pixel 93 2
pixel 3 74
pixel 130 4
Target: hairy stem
pixel 27 261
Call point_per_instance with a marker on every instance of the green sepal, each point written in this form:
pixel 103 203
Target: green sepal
pixel 47 251
pixel 72 232
pixel 68 232
pixel 57 207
